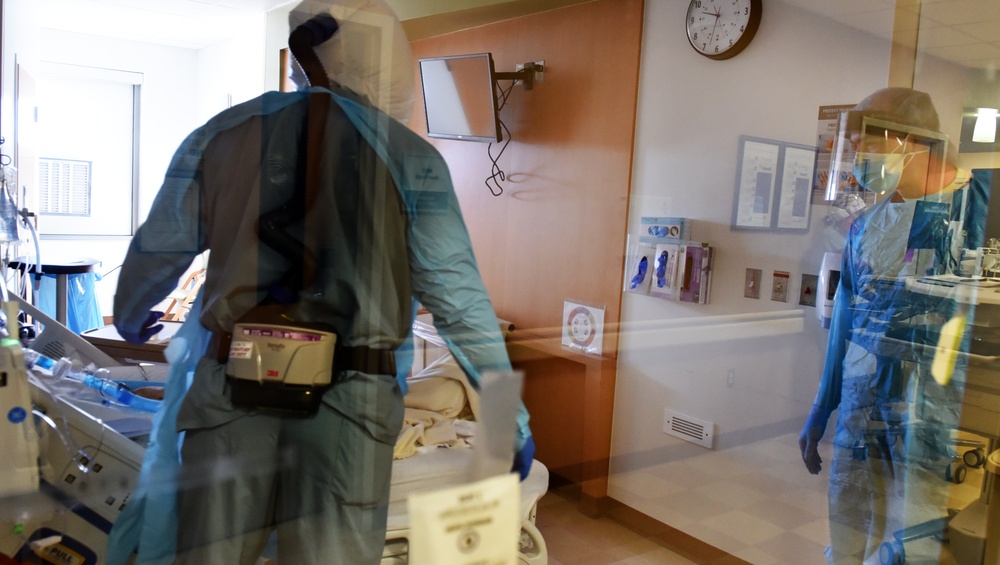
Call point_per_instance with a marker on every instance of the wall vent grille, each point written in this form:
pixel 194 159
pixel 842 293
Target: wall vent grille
pixel 687 428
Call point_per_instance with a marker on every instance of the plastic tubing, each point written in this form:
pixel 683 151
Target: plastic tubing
pixel 34 238
pixel 110 389
pixel 120 393
pixel 38 249
pixel 34 359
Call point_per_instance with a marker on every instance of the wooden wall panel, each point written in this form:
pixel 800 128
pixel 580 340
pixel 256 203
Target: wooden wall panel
pixel 558 230
pixel 556 379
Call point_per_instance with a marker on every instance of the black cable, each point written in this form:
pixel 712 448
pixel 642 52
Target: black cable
pixel 496 170
pixel 111 271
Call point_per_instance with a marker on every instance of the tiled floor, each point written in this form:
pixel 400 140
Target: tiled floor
pixel 765 510
pixel 573 538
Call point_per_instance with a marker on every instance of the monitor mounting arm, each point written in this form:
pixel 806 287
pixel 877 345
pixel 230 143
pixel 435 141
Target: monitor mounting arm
pixel 528 74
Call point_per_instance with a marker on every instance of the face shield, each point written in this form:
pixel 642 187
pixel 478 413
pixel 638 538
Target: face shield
pixel 892 156
pixel 882 141
pixel 369 55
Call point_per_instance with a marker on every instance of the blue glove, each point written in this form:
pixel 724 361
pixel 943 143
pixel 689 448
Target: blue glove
pixel 640 274
pixel 149 329
pixel 524 457
pixel 661 270
pixel 811 434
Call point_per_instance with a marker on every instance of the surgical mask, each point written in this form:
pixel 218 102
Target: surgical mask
pixel 881 172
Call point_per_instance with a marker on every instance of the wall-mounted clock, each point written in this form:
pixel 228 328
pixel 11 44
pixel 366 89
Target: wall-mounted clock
pixel 719 29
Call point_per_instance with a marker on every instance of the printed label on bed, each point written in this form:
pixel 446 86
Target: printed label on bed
pixel 240 349
pixel 472 524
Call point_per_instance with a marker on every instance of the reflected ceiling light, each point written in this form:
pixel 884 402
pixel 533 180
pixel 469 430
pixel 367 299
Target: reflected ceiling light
pixel 985 130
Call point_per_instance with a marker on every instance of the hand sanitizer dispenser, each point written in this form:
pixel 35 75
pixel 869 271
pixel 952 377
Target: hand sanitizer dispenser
pixel 829 278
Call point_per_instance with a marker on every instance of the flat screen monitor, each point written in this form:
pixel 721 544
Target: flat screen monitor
pixel 459 99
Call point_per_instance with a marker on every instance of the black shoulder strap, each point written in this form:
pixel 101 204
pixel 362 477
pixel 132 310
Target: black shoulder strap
pixel 272 227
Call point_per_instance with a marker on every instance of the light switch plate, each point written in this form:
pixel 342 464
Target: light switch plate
pixel 779 286
pixel 807 292
pixel 751 288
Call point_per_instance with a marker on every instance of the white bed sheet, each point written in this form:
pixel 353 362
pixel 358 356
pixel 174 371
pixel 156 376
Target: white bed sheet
pixel 434 448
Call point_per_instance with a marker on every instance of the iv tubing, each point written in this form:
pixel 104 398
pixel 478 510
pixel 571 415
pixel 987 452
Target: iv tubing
pixel 34 238
pixel 109 389
pixel 121 394
pixel 74 450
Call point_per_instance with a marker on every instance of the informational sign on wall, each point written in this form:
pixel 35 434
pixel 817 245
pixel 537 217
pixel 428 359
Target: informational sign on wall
pixel 773 183
pixel 583 327
pixel 834 155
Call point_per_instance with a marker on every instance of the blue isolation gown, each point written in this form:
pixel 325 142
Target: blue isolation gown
pixel 415 249
pixel 897 288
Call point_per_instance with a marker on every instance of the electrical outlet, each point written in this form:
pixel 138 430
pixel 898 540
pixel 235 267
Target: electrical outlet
pixel 751 287
pixel 779 286
pixel 539 71
pixel 807 292
pixel 731 378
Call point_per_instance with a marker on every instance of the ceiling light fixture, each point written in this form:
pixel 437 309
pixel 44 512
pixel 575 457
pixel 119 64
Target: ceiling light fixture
pixel 985 130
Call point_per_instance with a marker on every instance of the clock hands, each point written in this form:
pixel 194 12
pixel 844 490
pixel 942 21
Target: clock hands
pixel 733 26
pixel 718 15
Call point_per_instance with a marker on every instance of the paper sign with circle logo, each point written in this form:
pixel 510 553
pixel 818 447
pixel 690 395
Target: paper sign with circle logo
pixel 477 523
pixel 583 327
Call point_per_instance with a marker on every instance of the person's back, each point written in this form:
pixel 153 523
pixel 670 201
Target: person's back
pixel 350 236
pixel 356 228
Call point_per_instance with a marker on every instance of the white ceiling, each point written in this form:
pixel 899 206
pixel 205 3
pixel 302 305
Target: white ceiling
pixel 191 24
pixel 964 31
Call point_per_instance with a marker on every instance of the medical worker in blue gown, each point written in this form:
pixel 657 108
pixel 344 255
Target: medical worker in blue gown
pixel 895 416
pixel 385 231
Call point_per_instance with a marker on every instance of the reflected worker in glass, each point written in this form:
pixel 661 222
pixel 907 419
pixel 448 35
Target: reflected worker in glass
pixel 900 315
pixel 324 215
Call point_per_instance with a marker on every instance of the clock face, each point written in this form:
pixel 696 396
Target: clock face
pixel 719 29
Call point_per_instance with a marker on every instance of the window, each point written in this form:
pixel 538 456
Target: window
pixel 88 144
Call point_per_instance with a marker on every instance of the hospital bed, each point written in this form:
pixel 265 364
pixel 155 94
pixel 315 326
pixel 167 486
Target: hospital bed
pixel 91 454
pixel 438 406
pixel 424 472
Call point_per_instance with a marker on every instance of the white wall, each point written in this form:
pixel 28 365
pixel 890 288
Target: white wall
pixel 276 26
pixel 750 366
pixel 232 72
pixel 20 44
pixel 182 88
pixel 168 109
pixel 169 93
